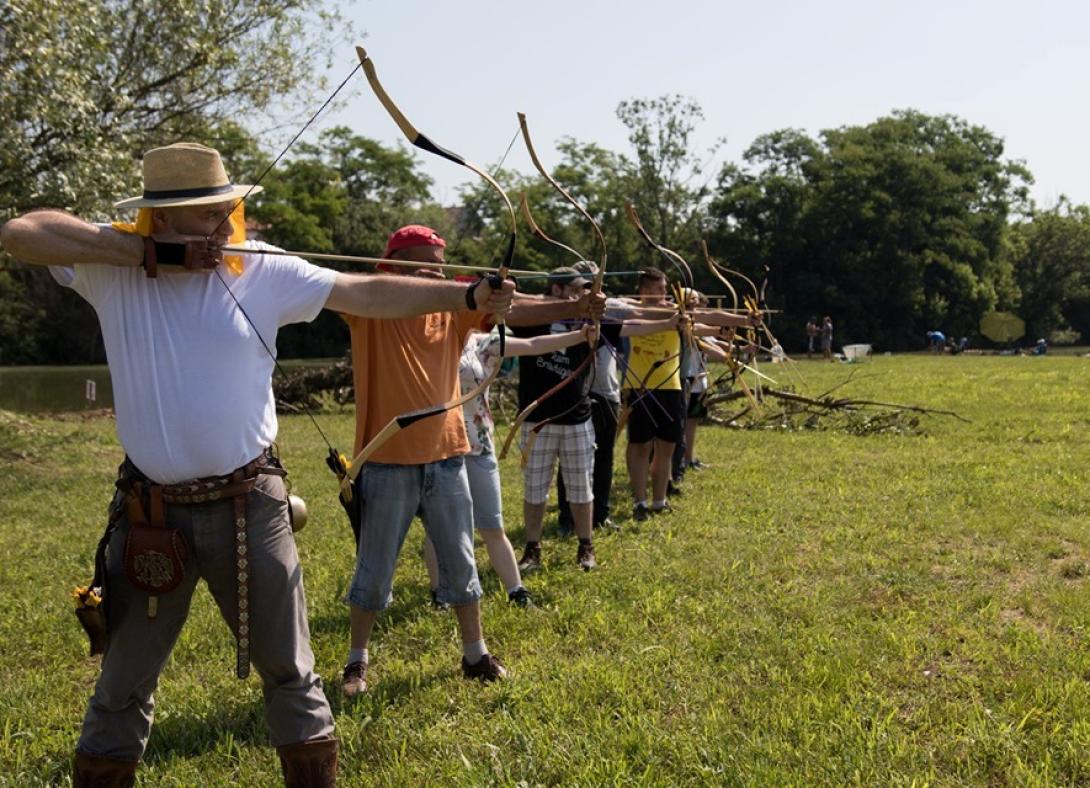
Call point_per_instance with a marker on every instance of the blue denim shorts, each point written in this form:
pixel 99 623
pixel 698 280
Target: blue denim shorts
pixel 484 486
pixel 389 497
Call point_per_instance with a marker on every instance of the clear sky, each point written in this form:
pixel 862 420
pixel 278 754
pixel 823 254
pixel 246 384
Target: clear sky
pixel 460 70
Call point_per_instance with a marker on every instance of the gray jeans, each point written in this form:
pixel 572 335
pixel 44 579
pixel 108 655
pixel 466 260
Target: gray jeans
pixel 119 714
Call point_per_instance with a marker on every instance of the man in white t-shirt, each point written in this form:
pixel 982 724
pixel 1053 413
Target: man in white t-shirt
pixel 191 360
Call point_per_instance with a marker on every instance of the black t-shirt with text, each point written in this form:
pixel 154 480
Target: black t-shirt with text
pixel 538 374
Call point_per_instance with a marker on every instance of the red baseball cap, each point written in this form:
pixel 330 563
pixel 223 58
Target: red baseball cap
pixel 410 235
pixel 413 235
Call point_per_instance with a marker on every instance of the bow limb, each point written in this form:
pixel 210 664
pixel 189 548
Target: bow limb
pixel 564 193
pixel 758 301
pixel 749 302
pixel 537 232
pixel 673 257
pixel 677 261
pixel 715 264
pixel 752 302
pixel 596 288
pixel 398 423
pixel 719 276
pixel 736 370
pixel 425 143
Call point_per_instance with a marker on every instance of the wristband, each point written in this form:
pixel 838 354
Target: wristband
pixel 471 303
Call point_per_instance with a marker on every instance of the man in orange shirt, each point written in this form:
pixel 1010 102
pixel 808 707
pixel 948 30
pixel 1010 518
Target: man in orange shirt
pixel 400 366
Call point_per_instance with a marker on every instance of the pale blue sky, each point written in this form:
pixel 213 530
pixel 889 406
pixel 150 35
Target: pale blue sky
pixel 460 70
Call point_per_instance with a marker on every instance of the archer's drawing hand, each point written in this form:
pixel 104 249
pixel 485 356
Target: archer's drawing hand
pixel 195 252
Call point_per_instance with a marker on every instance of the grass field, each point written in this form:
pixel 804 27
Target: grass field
pixel 819 609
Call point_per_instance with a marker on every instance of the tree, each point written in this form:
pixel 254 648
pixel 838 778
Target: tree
pixel 662 175
pixel 1050 254
pixel 894 227
pixel 86 86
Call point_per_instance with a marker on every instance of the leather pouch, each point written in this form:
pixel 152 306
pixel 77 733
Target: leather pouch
pixel 154 554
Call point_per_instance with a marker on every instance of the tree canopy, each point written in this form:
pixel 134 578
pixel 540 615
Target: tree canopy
pixel 896 227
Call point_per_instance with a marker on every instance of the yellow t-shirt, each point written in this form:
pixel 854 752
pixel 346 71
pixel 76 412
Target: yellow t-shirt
pixel 664 348
pixel 408 364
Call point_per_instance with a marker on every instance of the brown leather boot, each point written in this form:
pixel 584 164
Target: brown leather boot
pixel 92 771
pixel 309 764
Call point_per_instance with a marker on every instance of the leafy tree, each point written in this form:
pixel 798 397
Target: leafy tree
pixel 893 227
pixel 86 86
pixel 665 166
pixel 1050 255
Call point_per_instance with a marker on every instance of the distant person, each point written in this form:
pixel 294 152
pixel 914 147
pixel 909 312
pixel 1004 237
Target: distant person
pixel 1040 349
pixel 827 338
pixel 936 341
pixel 812 332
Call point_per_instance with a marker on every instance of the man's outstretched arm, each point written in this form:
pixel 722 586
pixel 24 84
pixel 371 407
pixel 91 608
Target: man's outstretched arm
pixel 386 297
pixel 541 311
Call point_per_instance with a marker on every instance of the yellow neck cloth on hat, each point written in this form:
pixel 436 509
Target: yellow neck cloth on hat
pixel 143 227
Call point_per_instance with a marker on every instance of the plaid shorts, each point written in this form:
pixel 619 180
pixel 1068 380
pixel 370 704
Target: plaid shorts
pixel 574 445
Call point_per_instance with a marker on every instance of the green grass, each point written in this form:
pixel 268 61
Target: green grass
pixel 820 609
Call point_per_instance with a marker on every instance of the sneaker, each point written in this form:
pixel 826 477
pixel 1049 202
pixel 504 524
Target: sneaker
pixel 489 668
pixel 673 489
pixel 608 525
pixel 666 508
pixel 697 465
pixel 585 557
pixel 354 679
pixel 437 603
pixel 640 512
pixel 531 558
pixel 521 597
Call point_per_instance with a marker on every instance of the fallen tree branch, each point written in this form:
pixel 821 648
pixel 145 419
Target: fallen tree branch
pixel 797 411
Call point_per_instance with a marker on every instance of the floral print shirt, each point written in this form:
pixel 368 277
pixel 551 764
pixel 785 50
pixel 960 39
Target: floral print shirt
pixel 479 359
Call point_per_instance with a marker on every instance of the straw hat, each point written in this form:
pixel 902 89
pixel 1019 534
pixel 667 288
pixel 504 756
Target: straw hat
pixel 185 173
